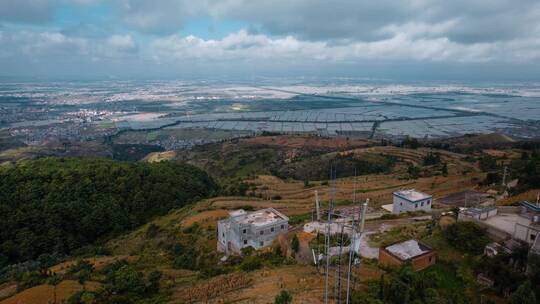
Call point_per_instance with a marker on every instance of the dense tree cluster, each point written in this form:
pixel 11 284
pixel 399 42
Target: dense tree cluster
pixel 515 272
pixel 121 283
pixel 318 168
pixel 467 237
pixel 404 285
pixel 527 169
pixel 410 142
pixel 53 206
pixel 488 163
pixel 432 159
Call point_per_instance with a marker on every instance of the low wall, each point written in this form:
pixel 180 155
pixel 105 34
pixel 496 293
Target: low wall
pixel 509 209
pixel 493 233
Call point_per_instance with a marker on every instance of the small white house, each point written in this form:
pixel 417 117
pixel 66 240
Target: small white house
pixel 411 200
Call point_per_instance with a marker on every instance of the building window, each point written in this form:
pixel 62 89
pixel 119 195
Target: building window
pixel 430 258
pixel 245 242
pixel 223 234
pixel 416 205
pixel 401 204
pixel 261 243
pixel 428 202
pixel 244 231
pixel 272 229
pixel 282 226
pixel 262 232
pixel 533 237
pixel 421 204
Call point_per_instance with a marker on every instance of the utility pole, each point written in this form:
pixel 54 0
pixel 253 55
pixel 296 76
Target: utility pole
pixel 317 206
pixel 504 175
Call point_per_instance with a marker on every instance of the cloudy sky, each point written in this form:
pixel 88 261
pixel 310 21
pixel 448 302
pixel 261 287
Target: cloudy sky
pixel 401 39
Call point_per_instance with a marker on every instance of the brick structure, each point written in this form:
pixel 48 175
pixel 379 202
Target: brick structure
pixel 417 253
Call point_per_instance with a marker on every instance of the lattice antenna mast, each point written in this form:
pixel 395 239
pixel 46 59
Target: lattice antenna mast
pixel 353 240
pixel 327 235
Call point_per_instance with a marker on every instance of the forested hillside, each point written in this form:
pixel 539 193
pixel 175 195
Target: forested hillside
pixel 53 205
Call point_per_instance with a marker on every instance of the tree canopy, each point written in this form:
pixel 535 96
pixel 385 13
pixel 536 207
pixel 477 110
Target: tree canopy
pixel 56 205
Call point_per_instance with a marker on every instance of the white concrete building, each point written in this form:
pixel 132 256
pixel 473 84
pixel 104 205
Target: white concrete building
pixel 479 213
pixel 411 200
pixel 528 229
pixel 256 229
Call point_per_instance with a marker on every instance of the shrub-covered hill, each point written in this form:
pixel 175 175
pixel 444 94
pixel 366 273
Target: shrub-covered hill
pixel 56 205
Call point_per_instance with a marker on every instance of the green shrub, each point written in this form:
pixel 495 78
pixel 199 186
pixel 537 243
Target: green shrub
pixel 251 263
pixel 152 231
pixel 389 216
pixel 247 207
pixel 284 297
pixel 81 271
pixel 295 244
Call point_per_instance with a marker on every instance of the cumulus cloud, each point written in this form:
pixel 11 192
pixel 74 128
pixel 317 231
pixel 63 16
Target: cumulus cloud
pixel 243 46
pixel 44 45
pixel 341 32
pixel 123 43
pixel 415 44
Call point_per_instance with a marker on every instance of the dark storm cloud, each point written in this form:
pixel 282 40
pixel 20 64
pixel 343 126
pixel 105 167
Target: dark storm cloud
pixel 488 21
pixel 27 11
pixel 162 17
pixel 472 21
pixel 320 20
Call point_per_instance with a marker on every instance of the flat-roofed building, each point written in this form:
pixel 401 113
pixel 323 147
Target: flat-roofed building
pixel 411 200
pixel 256 229
pixel 479 213
pixel 528 230
pixel 419 254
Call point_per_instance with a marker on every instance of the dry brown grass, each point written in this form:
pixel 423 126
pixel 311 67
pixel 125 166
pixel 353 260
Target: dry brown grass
pixel 7 290
pixel 44 294
pixel 308 141
pixel 160 156
pixel 514 154
pixel 525 196
pixel 302 281
pixel 446 221
pixel 205 218
pixel 97 262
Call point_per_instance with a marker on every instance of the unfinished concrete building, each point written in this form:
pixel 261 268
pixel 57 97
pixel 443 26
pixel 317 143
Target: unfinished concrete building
pixel 256 229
